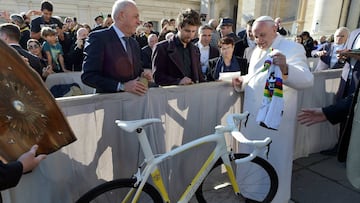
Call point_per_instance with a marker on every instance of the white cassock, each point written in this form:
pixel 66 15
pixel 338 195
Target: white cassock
pixel 281 149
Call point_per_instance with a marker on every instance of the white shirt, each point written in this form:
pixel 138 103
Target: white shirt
pixel 333 54
pixel 204 56
pixel 120 35
pixel 251 43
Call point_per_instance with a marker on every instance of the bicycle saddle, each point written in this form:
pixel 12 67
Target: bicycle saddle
pixel 131 126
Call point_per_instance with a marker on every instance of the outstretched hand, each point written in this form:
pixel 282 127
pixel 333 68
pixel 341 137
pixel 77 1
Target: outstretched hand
pixel 29 159
pixel 311 116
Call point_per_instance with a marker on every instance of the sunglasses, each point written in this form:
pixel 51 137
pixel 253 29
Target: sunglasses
pixel 35 46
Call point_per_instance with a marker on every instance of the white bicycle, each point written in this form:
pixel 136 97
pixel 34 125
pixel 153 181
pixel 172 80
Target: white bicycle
pixel 204 185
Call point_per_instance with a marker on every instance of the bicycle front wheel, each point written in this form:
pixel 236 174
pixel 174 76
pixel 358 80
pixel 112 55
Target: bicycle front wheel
pixel 116 191
pixel 217 183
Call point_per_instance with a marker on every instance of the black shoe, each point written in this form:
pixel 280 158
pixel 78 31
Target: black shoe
pixel 330 152
pixel 247 200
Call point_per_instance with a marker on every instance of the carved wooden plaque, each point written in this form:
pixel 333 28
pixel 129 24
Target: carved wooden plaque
pixel 28 113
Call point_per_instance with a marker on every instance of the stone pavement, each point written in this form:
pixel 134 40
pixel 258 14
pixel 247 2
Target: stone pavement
pixel 321 179
pixel 315 179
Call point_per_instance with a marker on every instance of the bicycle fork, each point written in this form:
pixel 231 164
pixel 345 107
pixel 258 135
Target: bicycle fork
pixel 150 170
pixel 230 172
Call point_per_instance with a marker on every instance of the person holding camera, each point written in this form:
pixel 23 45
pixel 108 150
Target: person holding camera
pixel 76 55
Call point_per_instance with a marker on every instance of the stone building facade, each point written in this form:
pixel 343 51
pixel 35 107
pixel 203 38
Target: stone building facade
pixel 316 16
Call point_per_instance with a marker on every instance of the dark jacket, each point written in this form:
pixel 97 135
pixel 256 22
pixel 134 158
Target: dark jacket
pixel 75 58
pixel 106 62
pixel 34 61
pixel 213 53
pixel 10 174
pixel 309 46
pixel 146 53
pixel 282 31
pixel 343 112
pixel 241 45
pixel 327 57
pixel 168 64
pixel 216 64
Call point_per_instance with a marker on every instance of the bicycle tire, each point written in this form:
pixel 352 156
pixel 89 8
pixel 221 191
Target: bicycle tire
pixel 260 163
pixel 109 191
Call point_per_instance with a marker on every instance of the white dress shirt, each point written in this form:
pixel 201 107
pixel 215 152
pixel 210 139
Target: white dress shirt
pixel 204 56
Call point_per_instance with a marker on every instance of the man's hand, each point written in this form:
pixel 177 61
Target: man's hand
pixel 26 60
pixel 237 83
pixel 349 54
pixel 29 160
pixel 279 59
pixel 79 43
pixel 147 74
pixel 136 87
pixel 47 71
pixel 311 116
pixel 186 81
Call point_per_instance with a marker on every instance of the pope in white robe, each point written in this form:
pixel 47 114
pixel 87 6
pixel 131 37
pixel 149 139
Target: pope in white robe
pixel 290 58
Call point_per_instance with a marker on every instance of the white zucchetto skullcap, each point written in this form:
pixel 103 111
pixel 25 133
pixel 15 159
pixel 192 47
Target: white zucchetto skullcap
pixel 264 18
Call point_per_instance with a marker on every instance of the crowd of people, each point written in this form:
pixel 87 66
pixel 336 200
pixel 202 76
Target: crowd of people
pixel 124 54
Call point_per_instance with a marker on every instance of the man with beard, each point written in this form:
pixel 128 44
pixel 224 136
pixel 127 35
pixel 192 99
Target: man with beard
pixel 177 61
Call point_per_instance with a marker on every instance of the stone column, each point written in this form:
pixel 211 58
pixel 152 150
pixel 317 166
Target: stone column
pixel 353 19
pixel 299 25
pixel 344 13
pixel 326 16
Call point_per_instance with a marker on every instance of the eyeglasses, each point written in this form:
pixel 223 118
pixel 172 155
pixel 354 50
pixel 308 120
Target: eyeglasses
pixel 35 46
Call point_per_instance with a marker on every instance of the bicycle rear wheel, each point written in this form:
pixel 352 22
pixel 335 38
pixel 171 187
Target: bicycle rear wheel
pixel 116 190
pixel 217 183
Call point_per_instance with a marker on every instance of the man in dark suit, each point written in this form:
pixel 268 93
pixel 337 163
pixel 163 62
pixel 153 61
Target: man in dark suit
pixel 111 56
pixel 342 111
pixel 246 38
pixel 207 51
pixel 10 34
pixel 11 173
pixel 147 50
pixel 177 61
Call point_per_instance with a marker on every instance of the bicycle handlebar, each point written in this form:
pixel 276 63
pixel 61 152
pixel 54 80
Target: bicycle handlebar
pixel 233 122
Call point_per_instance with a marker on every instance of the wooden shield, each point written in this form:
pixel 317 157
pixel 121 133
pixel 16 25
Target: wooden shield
pixel 28 113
